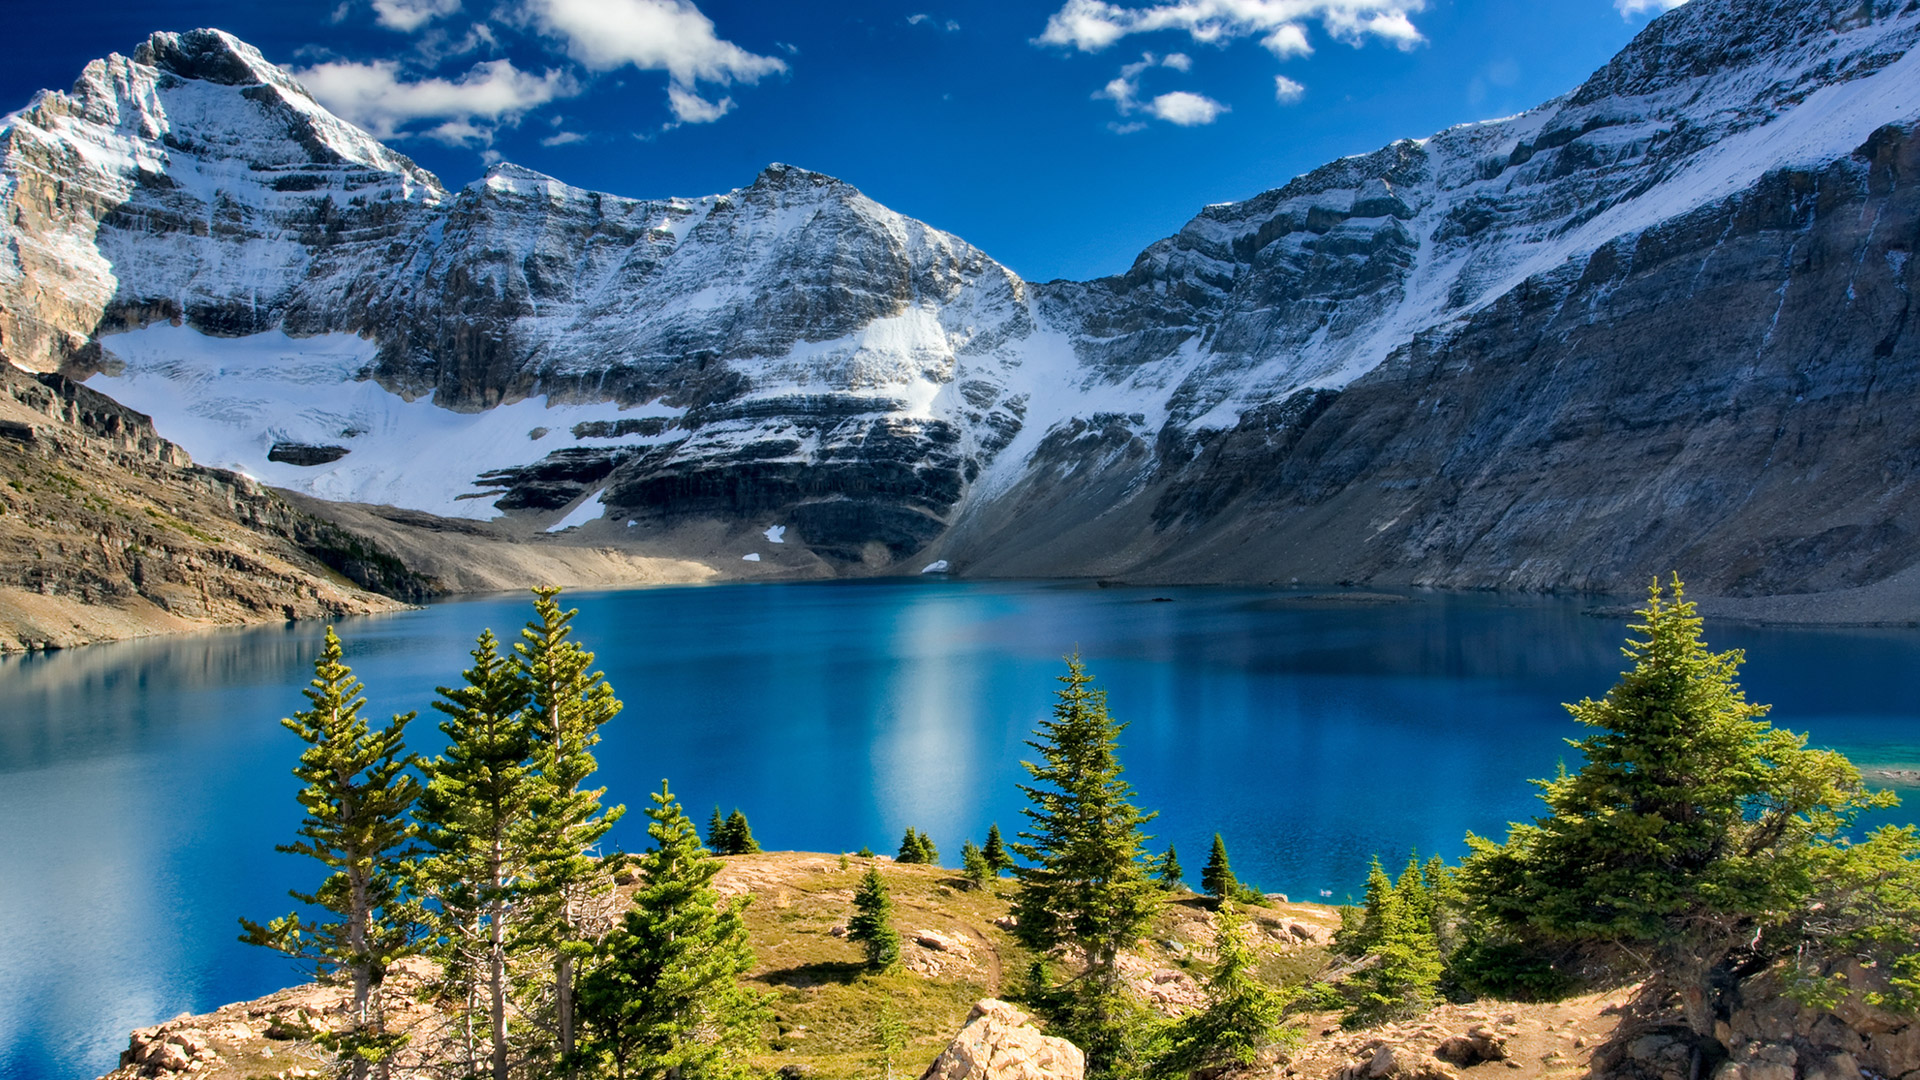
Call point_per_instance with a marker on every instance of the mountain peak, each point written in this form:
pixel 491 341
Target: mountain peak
pixel 781 176
pixel 213 56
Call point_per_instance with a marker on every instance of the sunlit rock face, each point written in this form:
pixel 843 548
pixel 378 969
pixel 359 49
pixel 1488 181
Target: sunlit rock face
pixel 1660 322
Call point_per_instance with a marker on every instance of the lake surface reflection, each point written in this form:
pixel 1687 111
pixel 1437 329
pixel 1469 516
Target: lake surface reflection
pixel 143 785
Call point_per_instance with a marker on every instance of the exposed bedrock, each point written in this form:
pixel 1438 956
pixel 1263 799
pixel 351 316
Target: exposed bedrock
pixel 1730 394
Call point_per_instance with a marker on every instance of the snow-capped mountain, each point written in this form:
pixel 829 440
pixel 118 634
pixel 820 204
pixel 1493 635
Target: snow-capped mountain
pixel 1621 332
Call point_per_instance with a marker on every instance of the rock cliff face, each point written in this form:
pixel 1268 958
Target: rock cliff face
pixel 109 531
pixel 1661 322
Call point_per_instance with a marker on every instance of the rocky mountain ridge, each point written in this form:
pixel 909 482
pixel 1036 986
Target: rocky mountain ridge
pixel 1656 323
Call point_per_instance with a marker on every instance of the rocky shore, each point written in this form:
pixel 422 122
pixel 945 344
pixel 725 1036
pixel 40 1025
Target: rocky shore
pixel 959 963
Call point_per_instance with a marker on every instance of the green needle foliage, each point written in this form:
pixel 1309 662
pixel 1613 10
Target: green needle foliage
pixel 973 865
pixel 1692 831
pixel 1216 878
pixel 475 817
pixel 665 1000
pixel 872 922
pixel 569 702
pixel 1242 1014
pixel 996 851
pixel 1405 979
pixel 1169 871
pixel 1086 884
pixel 357 799
pixel 732 836
pixel 916 848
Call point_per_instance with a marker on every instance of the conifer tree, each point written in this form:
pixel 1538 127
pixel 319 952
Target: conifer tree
pixel 739 835
pixel 1169 871
pixel 475 817
pixel 973 865
pixel 1403 982
pixel 1691 829
pixel 1359 939
pixel 1242 1014
pixel 1216 878
pixel 357 800
pixel 996 851
pixel 1086 883
pixel 569 701
pixel 665 999
pixel 917 847
pixel 872 922
pixel 717 833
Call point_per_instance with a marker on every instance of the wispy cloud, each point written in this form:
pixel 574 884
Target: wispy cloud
pixel 923 19
pixel 1286 91
pixel 1092 25
pixel 1629 8
pixel 1179 107
pixel 656 35
pixel 407 16
pixel 468 109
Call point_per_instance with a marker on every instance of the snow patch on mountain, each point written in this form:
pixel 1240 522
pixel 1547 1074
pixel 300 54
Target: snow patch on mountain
pixel 230 401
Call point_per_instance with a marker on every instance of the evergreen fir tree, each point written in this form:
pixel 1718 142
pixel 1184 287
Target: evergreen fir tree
pixel 665 1001
pixel 1413 889
pixel 1216 878
pixel 738 835
pixel 973 865
pixel 1692 828
pixel 569 702
pixel 1086 883
pixel 996 851
pixel 475 816
pixel 357 800
pixel 1403 982
pixel 929 855
pixel 717 833
pixel 1242 1014
pixel 1170 872
pixel 1359 939
pixel 872 922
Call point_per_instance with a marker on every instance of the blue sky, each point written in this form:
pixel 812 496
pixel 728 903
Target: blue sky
pixel 1061 137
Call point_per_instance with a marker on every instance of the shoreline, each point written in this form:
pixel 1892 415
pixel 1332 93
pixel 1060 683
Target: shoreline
pixel 500 564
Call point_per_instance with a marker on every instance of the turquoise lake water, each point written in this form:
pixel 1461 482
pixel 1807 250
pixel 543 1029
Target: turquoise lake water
pixel 144 785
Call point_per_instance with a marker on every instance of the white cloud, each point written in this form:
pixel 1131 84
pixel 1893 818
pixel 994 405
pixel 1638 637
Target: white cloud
pixel 656 35
pixel 563 138
pixel 1092 25
pixel 1286 91
pixel 1287 41
pixel 1185 109
pixel 1124 89
pixel 1629 8
pixel 493 94
pixel 407 16
pixel 691 108
pixel 917 19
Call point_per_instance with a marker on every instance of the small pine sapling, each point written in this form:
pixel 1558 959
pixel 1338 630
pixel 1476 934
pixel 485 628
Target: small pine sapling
pixel 996 852
pixel 973 865
pixel 872 922
pixel 1169 871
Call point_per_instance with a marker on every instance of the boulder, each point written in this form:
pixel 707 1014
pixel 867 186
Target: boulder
pixel 999 1042
pixel 1480 1043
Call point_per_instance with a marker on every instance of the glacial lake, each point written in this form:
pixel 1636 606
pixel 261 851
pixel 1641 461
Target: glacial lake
pixel 144 785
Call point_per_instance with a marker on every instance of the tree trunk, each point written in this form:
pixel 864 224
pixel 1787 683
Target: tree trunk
pixel 563 1003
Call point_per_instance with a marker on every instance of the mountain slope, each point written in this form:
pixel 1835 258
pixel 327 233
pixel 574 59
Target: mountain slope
pixel 1658 322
